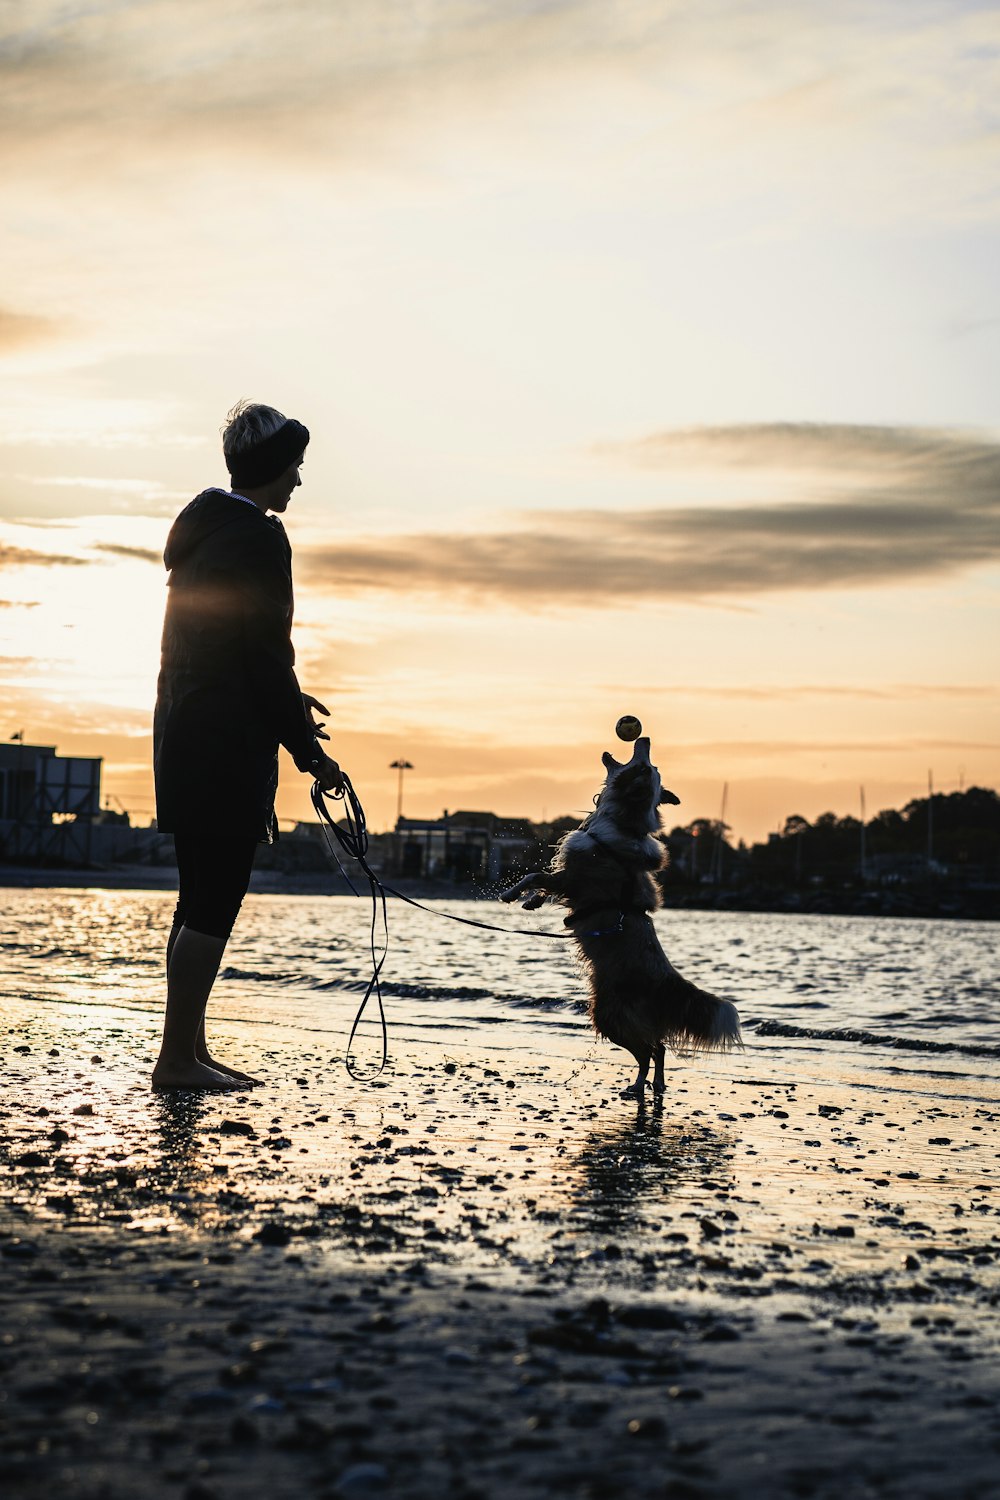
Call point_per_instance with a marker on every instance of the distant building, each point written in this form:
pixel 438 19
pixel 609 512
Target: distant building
pixel 50 812
pixel 461 846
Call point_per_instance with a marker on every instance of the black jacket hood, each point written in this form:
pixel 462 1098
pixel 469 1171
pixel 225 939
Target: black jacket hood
pixel 207 514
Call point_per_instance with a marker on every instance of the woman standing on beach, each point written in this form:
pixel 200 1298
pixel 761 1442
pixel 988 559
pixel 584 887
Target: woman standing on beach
pixel 227 697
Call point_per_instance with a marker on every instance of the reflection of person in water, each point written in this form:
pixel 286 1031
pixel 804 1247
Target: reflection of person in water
pixel 227 697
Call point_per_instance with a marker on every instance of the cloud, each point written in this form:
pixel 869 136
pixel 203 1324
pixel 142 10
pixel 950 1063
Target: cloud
pixel 145 554
pixel 791 692
pixel 21 330
pixel 894 505
pixel 20 557
pixel 736 749
pixel 798 446
pixel 137 77
pixel 307 75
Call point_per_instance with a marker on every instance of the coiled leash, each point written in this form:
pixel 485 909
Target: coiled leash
pixel 353 840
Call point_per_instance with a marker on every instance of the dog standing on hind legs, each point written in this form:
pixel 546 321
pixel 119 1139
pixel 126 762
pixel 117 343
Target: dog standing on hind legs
pixel 604 872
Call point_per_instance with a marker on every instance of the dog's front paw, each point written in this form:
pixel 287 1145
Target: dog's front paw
pixel 535 901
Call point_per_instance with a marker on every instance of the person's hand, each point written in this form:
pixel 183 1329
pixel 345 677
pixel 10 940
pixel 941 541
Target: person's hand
pixel 329 775
pixel 311 704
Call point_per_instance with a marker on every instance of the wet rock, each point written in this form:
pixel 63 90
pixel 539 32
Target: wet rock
pixel 237 1127
pixel 274 1233
pixel 710 1230
pixel 721 1333
pixel 19 1250
pixel 574 1338
pixel 650 1315
pixel 265 1405
pixel 646 1427
pixel 84 1109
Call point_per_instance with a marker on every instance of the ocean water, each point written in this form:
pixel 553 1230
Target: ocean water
pixel 917 1002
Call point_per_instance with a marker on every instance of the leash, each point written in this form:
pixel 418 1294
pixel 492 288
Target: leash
pixel 353 840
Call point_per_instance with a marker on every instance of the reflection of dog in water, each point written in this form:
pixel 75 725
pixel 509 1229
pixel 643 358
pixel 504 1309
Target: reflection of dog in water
pixel 625 1171
pixel 604 872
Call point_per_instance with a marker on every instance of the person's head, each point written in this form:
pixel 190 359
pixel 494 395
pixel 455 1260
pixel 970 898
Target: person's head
pixel 263 451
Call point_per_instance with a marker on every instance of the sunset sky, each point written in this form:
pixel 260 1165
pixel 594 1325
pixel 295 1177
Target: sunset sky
pixel 650 351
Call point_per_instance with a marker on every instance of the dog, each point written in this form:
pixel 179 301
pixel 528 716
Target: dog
pixel 605 873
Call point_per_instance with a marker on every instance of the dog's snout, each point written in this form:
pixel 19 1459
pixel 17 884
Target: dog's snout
pixel 640 750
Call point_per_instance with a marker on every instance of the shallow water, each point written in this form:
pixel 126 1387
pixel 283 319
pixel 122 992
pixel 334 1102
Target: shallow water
pixel 842 997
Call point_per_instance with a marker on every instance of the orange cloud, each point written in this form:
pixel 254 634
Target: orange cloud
pixel 914 505
pixel 144 554
pixel 19 557
pixel 20 330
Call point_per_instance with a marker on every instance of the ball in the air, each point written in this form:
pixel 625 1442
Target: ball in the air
pixel 628 727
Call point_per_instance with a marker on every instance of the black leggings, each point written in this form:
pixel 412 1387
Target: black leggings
pixel 214 870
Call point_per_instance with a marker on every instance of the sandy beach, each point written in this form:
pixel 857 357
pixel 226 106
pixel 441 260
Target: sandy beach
pixel 470 1279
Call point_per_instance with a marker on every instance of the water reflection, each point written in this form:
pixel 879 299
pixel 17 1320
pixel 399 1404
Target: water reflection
pixel 625 1171
pixel 176 1154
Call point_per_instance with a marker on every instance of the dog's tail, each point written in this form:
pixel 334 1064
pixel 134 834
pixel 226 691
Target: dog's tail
pixel 701 1022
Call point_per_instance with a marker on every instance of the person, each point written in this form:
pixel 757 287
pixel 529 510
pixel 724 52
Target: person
pixel 227 696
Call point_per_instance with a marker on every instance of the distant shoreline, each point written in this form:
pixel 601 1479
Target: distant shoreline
pixel 262 883
pixel 944 905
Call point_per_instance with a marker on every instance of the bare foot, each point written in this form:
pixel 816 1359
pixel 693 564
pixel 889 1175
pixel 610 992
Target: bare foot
pixel 192 1075
pixel 244 1078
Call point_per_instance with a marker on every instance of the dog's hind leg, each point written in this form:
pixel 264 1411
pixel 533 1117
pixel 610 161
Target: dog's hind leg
pixel 659 1054
pixel 642 1055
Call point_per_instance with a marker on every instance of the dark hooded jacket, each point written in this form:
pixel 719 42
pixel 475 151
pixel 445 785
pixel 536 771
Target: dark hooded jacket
pixel 227 694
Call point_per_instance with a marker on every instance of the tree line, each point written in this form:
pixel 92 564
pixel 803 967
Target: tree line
pixel 956 833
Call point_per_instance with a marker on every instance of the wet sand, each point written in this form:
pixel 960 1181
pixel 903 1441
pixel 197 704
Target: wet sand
pixel 467 1279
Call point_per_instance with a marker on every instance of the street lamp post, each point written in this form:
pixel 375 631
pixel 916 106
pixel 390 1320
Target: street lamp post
pixel 400 765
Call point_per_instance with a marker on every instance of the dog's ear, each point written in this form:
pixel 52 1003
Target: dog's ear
pixel 609 763
pixel 666 796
